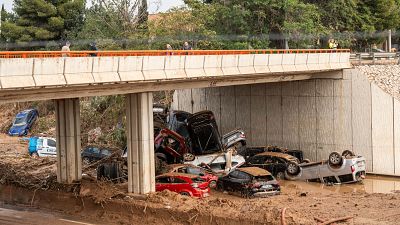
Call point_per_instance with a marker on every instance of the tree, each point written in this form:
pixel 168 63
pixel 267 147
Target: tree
pixel 44 20
pixel 116 24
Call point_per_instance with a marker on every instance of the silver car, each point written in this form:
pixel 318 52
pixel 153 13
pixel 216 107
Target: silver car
pixel 339 168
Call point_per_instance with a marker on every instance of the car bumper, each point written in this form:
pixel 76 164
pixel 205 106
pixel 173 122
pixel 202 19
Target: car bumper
pixel 266 193
pixel 202 193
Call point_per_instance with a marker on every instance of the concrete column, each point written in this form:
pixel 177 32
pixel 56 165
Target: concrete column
pixel 140 138
pixel 69 166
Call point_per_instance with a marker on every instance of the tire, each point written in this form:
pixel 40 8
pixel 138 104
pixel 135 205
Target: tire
pixel 212 184
pixel 347 153
pixel 188 157
pixel 86 161
pixel 184 193
pixel 292 168
pixel 306 161
pixel 35 155
pixel 100 172
pixel 335 159
pixel 280 176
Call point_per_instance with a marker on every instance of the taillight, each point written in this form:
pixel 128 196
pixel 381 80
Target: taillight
pixel 242 135
pixel 353 169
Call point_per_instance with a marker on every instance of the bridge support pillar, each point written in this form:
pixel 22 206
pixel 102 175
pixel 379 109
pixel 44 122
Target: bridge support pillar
pixel 140 138
pixel 69 166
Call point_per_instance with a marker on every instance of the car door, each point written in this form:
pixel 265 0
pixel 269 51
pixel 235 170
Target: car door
pixel 94 154
pixel 257 161
pixel 162 183
pixel 231 183
pixel 51 147
pixel 242 179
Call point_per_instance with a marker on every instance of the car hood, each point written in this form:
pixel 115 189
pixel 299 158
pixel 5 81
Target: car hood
pixel 17 129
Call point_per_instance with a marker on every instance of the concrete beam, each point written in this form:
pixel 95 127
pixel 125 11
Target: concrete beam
pixel 39 94
pixel 69 165
pixel 140 138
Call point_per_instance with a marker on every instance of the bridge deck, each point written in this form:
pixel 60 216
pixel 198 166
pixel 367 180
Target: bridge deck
pixel 37 70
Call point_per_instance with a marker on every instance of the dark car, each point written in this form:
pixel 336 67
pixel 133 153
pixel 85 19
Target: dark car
pixel 23 122
pixel 281 165
pixel 249 182
pixel 94 153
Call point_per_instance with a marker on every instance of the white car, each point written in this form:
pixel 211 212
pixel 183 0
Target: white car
pixel 218 163
pixel 42 146
pixel 339 168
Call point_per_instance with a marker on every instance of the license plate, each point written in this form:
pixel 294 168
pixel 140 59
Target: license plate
pixel 360 164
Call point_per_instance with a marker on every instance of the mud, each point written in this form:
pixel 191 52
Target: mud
pixel 31 183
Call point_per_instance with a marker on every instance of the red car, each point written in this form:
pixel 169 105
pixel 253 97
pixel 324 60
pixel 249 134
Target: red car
pixel 184 184
pixel 195 170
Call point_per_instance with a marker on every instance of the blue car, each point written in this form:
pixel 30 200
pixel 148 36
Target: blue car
pixel 23 122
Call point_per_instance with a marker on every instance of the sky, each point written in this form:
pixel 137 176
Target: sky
pixel 153 6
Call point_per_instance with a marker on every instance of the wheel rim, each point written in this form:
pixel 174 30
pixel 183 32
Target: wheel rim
pixel 335 159
pixel 212 184
pixel 292 169
pixel 279 175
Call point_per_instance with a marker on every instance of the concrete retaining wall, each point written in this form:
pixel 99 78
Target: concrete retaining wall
pixel 317 116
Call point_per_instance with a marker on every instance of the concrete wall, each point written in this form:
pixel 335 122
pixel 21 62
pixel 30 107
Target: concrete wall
pixel 317 116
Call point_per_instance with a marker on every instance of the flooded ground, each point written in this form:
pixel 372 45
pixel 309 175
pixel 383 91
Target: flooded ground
pixel 372 184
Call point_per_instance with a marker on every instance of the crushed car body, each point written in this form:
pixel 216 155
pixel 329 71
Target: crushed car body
pixel 184 184
pixel 249 182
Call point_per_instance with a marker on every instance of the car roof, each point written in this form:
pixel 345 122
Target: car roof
pixel 279 154
pixel 255 171
pixel 178 175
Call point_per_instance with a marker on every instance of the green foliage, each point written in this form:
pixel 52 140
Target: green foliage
pixel 44 20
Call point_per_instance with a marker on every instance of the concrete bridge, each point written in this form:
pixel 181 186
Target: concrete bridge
pixel 66 76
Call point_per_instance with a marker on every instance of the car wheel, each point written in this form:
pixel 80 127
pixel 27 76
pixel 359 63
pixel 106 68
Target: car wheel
pixel 293 168
pixel 212 184
pixel 35 155
pixel 188 157
pixel 335 159
pixel 306 161
pixel 280 176
pixel 184 193
pixel 347 153
pixel 86 161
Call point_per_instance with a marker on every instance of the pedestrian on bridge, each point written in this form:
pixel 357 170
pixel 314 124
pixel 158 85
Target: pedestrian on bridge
pixel 186 46
pixel 65 48
pixel 169 49
pixel 93 47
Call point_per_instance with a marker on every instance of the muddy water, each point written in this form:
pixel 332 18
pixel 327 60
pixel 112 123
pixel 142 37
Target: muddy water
pixel 372 184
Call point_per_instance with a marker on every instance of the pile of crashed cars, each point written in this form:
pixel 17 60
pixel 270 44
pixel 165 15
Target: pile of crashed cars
pixel 192 157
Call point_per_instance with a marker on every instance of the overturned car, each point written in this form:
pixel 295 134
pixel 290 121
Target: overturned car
pixel 339 168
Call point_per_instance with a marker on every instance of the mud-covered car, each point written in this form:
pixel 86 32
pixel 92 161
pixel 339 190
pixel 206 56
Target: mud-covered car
pixel 249 182
pixel 252 151
pixel 281 165
pixel 194 170
pixel 339 168
pixel 184 184
pixel 219 163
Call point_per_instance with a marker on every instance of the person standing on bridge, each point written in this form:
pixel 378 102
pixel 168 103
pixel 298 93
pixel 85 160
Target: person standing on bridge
pixel 169 49
pixel 186 46
pixel 65 48
pixel 93 47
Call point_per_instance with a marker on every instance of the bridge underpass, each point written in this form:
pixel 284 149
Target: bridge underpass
pixel 32 76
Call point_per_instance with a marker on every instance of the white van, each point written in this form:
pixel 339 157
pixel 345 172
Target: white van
pixel 42 147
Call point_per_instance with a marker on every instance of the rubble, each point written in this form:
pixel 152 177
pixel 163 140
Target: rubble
pixel 386 77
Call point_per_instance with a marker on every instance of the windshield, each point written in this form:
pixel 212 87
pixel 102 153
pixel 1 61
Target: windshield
pixel 19 121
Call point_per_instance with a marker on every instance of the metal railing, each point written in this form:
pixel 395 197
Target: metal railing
pixel 374 57
pixel 55 54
